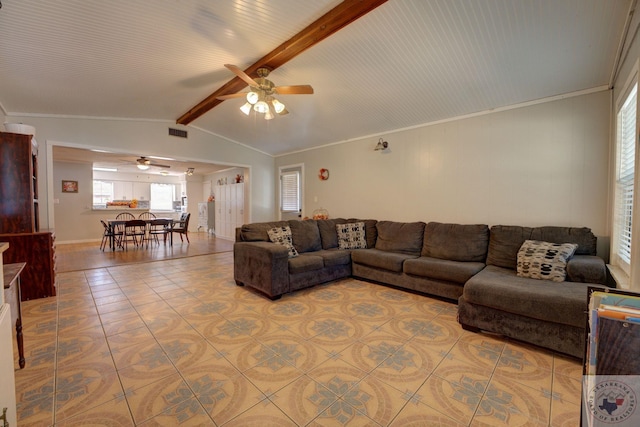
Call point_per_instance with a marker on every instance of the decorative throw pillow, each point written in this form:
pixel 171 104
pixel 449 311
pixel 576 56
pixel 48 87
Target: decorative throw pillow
pixel 544 260
pixel 351 236
pixel 282 236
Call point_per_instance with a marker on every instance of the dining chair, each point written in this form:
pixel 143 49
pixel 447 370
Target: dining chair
pixel 182 226
pixel 159 227
pixel 134 231
pixel 147 215
pixel 125 216
pixel 107 235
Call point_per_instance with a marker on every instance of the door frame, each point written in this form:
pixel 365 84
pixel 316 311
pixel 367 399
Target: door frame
pixel 278 193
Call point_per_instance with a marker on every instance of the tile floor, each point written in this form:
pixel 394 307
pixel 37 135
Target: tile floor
pixel 176 342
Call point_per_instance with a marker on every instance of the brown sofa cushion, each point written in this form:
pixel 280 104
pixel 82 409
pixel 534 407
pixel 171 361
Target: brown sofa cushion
pixel 390 261
pixel 401 237
pixel 257 232
pixel 306 235
pixel 504 244
pixel 456 242
pixel 586 240
pixel 506 240
pixel 370 230
pixel 328 235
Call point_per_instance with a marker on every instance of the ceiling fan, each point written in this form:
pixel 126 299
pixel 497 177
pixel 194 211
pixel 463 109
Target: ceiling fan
pixel 260 97
pixel 143 163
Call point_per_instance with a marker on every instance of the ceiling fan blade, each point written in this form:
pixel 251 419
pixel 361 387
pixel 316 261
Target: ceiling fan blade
pixel 233 95
pixel 238 72
pixel 294 90
pixel 159 166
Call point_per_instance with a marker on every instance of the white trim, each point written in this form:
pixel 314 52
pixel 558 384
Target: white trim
pixel 128 119
pixel 302 188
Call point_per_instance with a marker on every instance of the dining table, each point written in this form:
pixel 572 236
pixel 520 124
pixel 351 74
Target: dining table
pixel 114 223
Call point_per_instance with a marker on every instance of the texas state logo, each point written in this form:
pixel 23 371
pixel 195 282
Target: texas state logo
pixel 612 402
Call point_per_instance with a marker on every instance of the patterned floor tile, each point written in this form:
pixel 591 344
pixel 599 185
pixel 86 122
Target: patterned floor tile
pixel 186 413
pixel 153 399
pixel 113 413
pixel 304 399
pixel 221 389
pixel 417 414
pixel 83 387
pixel 145 372
pixel 186 348
pixel 566 389
pixel 264 414
pixel 407 368
pixel 564 414
pixel 192 348
pixel 527 367
pixel 507 403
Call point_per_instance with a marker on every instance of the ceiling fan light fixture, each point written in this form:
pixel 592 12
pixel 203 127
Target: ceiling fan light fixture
pixel 261 107
pixel 246 108
pixel 268 115
pixel 142 166
pixel 277 106
pixel 252 97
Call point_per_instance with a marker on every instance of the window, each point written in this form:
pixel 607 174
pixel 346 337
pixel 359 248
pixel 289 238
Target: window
pixel 290 191
pixel 626 131
pixel 102 193
pixel 162 196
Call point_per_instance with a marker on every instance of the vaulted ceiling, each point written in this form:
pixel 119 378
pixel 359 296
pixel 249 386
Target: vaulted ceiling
pixel 406 63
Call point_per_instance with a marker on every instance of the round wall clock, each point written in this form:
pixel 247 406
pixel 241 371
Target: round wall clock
pixel 323 174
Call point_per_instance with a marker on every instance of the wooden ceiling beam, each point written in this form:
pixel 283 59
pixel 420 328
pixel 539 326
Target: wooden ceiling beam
pixel 329 23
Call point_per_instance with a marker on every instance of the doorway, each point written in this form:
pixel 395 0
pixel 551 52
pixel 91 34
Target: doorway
pixel 291 194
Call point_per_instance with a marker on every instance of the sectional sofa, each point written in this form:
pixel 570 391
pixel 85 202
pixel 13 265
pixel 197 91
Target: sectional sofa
pixel 472 264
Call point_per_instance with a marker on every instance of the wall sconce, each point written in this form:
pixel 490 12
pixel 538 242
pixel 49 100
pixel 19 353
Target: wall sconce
pixel 189 171
pixel 382 145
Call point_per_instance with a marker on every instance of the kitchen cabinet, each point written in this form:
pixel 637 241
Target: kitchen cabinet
pixel 123 190
pixel 141 191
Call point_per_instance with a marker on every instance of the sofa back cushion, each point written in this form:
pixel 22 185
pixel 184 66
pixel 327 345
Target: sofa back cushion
pixel 306 235
pixel 586 240
pixel 370 230
pixel 505 241
pixel 328 234
pixel 257 232
pixel 401 237
pixel 504 244
pixel 456 242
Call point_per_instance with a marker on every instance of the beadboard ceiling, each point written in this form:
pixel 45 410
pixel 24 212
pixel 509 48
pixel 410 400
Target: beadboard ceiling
pixel 406 63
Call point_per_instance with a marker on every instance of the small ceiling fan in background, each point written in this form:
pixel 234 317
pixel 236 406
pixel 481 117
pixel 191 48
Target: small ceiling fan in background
pixel 261 97
pixel 144 163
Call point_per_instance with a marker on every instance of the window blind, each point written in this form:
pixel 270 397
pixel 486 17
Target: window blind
pixel 290 191
pixel 626 136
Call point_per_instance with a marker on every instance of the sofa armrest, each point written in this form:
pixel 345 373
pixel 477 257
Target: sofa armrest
pixel 263 266
pixel 587 269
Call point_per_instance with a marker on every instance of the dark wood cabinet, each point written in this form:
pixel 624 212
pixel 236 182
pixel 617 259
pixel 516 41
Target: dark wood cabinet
pixel 19 221
pixel 19 183
pixel 38 251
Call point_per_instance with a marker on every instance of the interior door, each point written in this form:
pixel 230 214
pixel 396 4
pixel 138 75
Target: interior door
pixel 291 192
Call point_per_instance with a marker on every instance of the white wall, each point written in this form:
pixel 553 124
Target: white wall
pixel 544 164
pixel 141 137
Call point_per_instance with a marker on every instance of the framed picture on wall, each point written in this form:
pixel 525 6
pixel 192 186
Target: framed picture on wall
pixel 69 186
